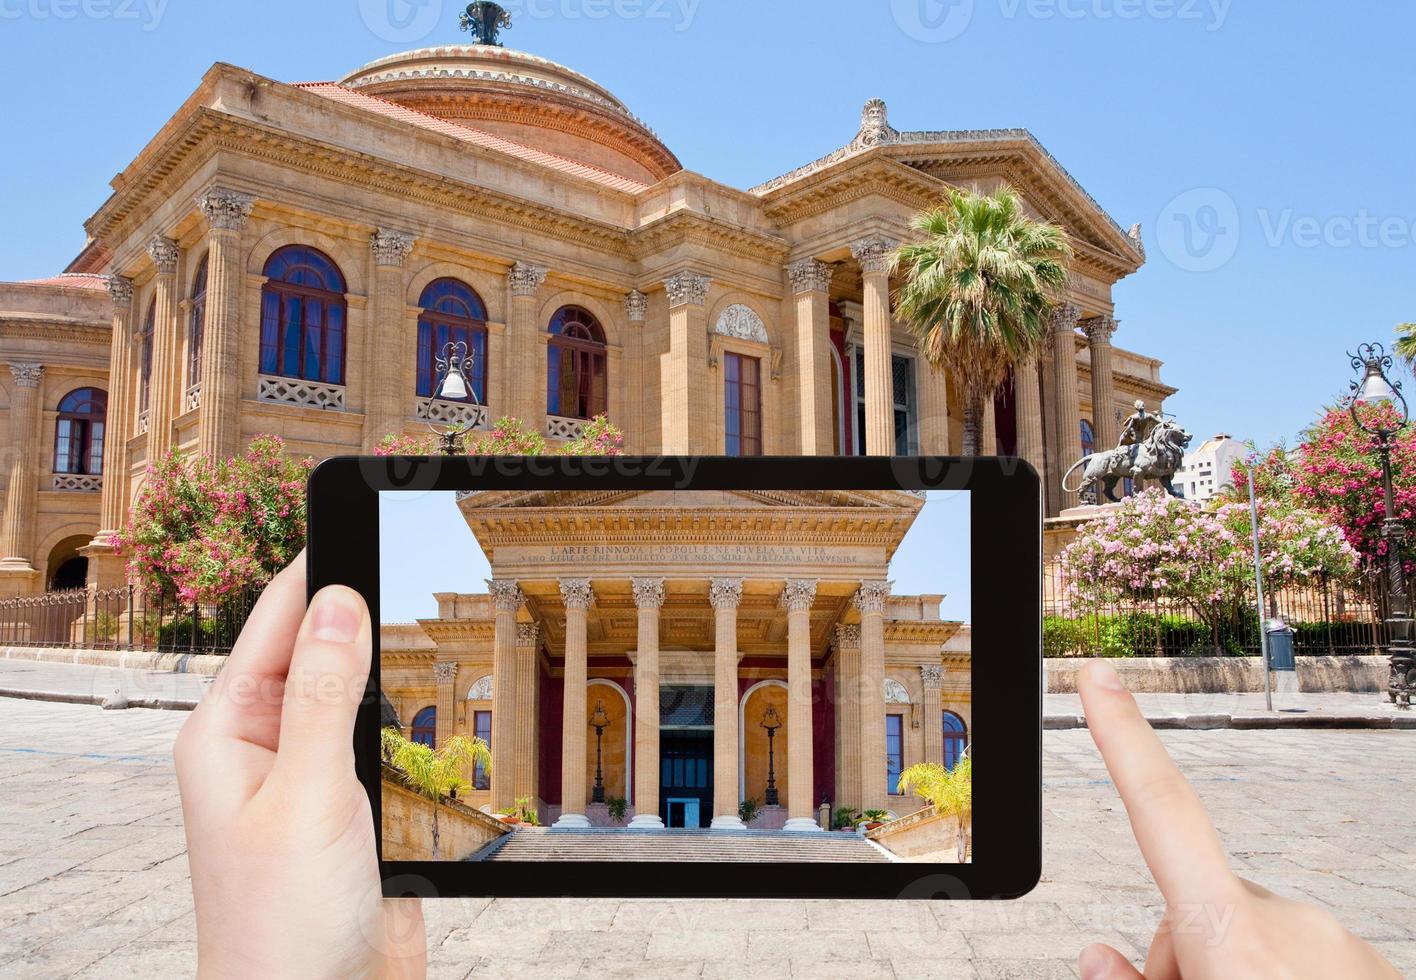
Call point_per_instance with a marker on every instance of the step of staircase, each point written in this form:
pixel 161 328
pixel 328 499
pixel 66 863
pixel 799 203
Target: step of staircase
pixel 529 844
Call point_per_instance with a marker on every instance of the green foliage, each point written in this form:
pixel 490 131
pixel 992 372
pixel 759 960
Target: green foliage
pixel 436 774
pixel 748 810
pixel 106 626
pixel 177 633
pixel 877 816
pixel 512 437
pixel 1133 635
pixel 948 791
pixel 524 811
pixel 618 807
pixel 844 817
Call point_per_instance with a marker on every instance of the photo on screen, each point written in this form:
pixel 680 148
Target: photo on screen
pixel 675 676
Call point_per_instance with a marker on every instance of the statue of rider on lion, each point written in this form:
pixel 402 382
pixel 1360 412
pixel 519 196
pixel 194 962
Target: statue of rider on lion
pixel 1152 447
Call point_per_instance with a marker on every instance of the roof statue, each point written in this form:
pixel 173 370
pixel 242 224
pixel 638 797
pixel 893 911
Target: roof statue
pixel 485 21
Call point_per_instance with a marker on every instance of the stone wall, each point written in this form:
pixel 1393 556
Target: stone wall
pixel 408 825
pixel 1224 675
pixel 924 836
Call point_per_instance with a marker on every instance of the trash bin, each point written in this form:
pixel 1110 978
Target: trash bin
pixel 1280 646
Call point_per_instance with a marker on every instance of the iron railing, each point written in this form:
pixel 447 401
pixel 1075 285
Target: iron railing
pixel 121 619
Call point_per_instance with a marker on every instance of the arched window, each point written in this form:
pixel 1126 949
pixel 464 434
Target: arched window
pixel 425 727
pixel 303 316
pixel 78 432
pixel 145 358
pixel 576 380
pixel 452 313
pixel 196 323
pixel 1088 438
pixel 956 739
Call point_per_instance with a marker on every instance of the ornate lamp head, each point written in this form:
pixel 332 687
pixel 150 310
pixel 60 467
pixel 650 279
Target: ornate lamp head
pixel 600 718
pixel 770 719
pixel 1375 390
pixel 485 22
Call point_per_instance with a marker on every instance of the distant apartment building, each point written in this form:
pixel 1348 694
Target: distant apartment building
pixel 1210 467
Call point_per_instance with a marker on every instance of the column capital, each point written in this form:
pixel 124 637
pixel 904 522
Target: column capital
pixel 874 253
pixel 506 594
pixel 725 593
pixel 1099 329
pixel 871 596
pixel 687 289
pixel 636 306
pixel 390 248
pixel 164 253
pixel 225 210
pixel 799 594
pixel 577 593
pixel 528 634
pixel 846 636
pixel 27 374
pixel 932 675
pixel 810 276
pixel 445 671
pixel 120 289
pixel 525 278
pixel 1065 316
pixel 648 592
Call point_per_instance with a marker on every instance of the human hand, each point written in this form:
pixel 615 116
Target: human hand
pixel 280 836
pixel 1216 924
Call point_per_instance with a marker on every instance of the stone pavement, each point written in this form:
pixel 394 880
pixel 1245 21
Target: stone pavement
pixel 85 684
pixel 93 876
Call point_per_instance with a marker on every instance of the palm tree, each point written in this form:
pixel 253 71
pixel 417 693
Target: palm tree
pixel 979 291
pixel 438 773
pixel 949 791
pixel 1405 346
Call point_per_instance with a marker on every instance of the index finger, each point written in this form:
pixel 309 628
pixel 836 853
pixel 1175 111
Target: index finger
pixel 1175 834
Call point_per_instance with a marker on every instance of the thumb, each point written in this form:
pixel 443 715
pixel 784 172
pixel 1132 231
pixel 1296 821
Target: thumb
pixel 1100 962
pixel 324 687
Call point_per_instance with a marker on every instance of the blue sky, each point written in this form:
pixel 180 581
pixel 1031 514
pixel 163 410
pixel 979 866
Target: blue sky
pixel 934 558
pixel 1265 147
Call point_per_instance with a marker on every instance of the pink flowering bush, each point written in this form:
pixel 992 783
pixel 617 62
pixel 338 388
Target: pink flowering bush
pixel 512 437
pixel 204 531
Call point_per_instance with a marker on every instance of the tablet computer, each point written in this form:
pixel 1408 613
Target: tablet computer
pixel 679 677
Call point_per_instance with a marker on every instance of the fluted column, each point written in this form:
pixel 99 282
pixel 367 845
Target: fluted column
pixel 387 347
pixel 528 689
pixel 219 418
pixel 1069 416
pixel 522 394
pixel 870 600
pixel 725 594
pixel 848 688
pixel 874 255
pixel 446 674
pixel 17 524
pixel 1099 331
pixel 933 411
pixel 649 598
pixel 684 368
pixel 578 596
pixel 636 311
pixel 162 389
pixel 811 282
pixel 1029 413
pixel 988 428
pixel 113 500
pixel 506 598
pixel 798 597
pixel 931 677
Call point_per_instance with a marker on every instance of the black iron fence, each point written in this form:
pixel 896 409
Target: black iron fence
pixel 121 619
pixel 1327 619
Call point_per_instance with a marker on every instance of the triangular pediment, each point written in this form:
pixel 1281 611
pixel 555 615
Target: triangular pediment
pixel 698 499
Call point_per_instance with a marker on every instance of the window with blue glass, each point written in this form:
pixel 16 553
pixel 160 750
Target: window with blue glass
pixel 79 431
pixel 424 730
pixel 1088 438
pixel 894 751
pixel 576 378
pixel 956 739
pixel 303 316
pixel 453 313
pixel 742 405
pixel 196 324
pixel 482 728
pixel 903 403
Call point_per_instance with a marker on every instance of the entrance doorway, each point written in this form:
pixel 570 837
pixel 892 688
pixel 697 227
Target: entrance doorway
pixel 686 778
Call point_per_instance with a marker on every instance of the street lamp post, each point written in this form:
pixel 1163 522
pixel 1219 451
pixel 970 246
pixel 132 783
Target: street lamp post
pixel 455 366
pixel 600 720
pixel 1379 409
pixel 771 721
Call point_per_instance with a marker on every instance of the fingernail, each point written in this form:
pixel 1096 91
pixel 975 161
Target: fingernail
pixel 1094 963
pixel 1103 675
pixel 335 616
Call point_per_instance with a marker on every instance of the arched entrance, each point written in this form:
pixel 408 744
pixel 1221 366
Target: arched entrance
pixel 66 568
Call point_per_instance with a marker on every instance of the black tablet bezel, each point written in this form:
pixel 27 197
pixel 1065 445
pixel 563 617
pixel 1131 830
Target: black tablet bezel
pixel 1006 564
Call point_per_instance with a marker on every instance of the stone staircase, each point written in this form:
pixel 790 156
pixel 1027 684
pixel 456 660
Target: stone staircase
pixel 703 846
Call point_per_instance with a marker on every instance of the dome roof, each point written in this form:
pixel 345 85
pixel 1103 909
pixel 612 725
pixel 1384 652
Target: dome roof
pixel 522 97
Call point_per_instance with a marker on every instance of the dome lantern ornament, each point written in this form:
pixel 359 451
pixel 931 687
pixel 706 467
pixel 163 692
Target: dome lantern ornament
pixel 485 22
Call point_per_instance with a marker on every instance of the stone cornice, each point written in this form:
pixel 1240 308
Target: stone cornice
pixel 54 329
pixel 680 228
pixel 868 176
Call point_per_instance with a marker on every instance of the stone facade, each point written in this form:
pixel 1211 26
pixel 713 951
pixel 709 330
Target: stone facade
pixel 537 190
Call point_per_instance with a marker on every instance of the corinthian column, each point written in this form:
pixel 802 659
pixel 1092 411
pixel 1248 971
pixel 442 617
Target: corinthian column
pixel 811 281
pixel 386 347
pixel 444 727
pixel 219 420
pixel 506 598
pixel 684 374
pixel 932 676
pixel 526 399
pixel 725 594
pixel 113 501
pixel 528 695
pixel 17 524
pixel 162 387
pixel 578 596
pixel 933 411
pixel 798 597
pixel 1069 416
pixel 1029 413
pixel 870 600
pixel 874 255
pixel 1099 331
pixel 649 598
pixel 848 688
